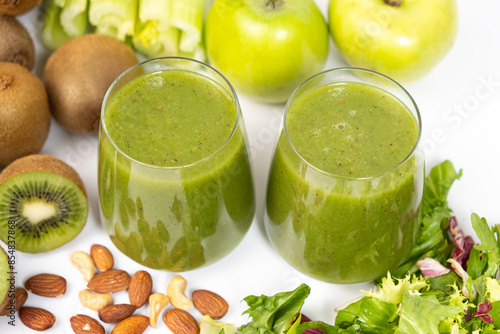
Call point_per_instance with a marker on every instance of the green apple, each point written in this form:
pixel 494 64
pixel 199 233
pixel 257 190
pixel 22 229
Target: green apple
pixel 266 48
pixel 403 39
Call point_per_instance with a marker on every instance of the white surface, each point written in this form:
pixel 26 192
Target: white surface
pixel 459 102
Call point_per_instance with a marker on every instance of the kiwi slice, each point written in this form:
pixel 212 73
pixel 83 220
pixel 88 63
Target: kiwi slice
pixel 4 276
pixel 43 204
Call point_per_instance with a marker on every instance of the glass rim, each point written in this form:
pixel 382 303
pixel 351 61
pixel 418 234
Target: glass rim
pixel 359 70
pixel 159 59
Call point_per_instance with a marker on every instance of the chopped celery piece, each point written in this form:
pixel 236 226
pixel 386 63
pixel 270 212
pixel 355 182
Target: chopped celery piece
pixel 60 3
pixel 187 16
pixel 53 34
pixel 198 53
pixel 74 17
pixel 114 18
pixel 156 43
pixel 155 11
pixel 155 28
pixel 154 36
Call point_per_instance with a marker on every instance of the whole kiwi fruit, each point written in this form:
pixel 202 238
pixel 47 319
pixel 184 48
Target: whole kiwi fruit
pixel 43 203
pixel 16 45
pixel 17 7
pixel 24 113
pixel 77 76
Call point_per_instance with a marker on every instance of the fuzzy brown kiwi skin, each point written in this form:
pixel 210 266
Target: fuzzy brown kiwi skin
pixel 24 113
pixel 16 45
pixel 77 76
pixel 17 7
pixel 42 163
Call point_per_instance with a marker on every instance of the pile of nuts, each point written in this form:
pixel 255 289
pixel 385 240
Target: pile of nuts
pixel 46 285
pixel 101 284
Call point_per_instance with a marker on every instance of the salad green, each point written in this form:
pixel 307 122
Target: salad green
pixel 447 285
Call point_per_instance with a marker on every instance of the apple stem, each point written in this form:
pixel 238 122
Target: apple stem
pixel 394 3
pixel 274 3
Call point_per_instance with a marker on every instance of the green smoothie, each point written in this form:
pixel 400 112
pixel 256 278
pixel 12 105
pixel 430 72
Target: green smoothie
pixel 341 205
pixel 175 182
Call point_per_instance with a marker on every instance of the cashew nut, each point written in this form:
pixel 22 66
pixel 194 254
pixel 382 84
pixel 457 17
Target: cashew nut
pixel 95 301
pixel 157 302
pixel 175 291
pixel 84 263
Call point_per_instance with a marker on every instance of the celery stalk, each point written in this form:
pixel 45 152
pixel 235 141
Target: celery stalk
pixel 155 11
pixel 116 18
pixel 74 17
pixel 60 3
pixel 154 36
pixel 187 16
pixel 170 28
pixel 53 34
pixel 198 53
pixel 156 43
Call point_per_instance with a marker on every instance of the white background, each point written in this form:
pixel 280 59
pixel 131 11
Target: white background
pixel 470 140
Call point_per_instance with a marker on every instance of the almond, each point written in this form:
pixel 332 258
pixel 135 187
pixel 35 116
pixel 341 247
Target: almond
pixel 140 288
pixel 132 325
pixel 110 281
pixel 181 322
pixel 116 313
pixel 209 303
pixel 102 257
pixel 36 318
pixel 83 324
pixel 16 302
pixel 47 285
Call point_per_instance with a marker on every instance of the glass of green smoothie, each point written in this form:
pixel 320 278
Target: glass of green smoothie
pixel 346 181
pixel 175 183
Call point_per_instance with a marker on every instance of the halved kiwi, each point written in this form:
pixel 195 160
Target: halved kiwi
pixel 43 204
pixel 4 276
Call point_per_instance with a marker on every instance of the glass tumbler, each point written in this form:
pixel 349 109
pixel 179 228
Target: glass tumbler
pixel 346 180
pixel 175 182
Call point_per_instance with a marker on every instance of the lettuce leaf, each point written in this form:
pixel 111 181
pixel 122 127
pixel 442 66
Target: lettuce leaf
pixel 432 240
pixel 275 314
pixel 321 327
pixel 423 314
pixel 369 315
pixel 390 292
pixel 489 244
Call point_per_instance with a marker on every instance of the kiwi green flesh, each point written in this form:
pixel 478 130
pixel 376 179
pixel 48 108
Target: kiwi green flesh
pixel 47 210
pixel 4 276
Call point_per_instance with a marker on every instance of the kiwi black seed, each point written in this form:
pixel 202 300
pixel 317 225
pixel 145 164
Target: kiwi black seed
pixel 43 203
pixel 17 7
pixel 24 113
pixel 16 45
pixel 77 76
